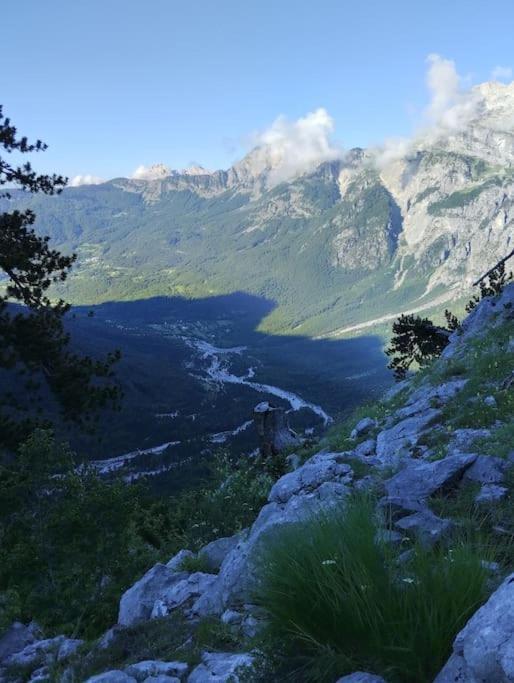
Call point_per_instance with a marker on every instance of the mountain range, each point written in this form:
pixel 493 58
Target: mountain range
pixel 351 241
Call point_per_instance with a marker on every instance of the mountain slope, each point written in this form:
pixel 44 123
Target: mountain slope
pixel 345 243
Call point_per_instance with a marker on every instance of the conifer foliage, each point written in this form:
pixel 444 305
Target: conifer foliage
pixel 416 341
pixel 36 360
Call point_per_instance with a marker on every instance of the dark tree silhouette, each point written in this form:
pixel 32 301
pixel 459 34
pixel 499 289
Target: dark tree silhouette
pixel 37 365
pixel 416 341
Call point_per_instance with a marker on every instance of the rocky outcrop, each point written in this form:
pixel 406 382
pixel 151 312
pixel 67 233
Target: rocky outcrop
pixel 320 484
pixel 483 652
pixel 22 648
pixel 221 668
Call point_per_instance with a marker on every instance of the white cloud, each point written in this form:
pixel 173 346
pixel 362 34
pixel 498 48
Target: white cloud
pixel 290 148
pixel 501 73
pixel 451 107
pixel 151 172
pixel 87 179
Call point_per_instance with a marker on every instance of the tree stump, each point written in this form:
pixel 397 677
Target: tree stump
pixel 273 430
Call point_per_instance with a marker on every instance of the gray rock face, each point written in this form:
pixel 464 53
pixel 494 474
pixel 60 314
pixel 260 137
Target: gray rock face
pixel 114 676
pixel 68 648
pixel 361 677
pixel 463 440
pixel 17 637
pixel 142 670
pixel 215 552
pixel 421 479
pixel 363 427
pixel 487 470
pixel 396 441
pixel 36 654
pixel 425 526
pixel 318 469
pixel 138 601
pixel 489 313
pixel 483 652
pixel 491 493
pixel 219 667
pixel 426 397
pixel 162 678
pixel 320 484
pixel 366 448
pixel 181 593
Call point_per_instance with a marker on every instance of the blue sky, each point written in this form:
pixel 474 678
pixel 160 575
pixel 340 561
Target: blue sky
pixel 113 84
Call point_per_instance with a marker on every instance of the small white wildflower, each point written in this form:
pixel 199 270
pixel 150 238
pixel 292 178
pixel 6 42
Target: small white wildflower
pixel 327 562
pixel 408 580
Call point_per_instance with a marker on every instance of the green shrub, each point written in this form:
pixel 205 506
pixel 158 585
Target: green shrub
pixel 67 543
pixel 228 501
pixel 340 601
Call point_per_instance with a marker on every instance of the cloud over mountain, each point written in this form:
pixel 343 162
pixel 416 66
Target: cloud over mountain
pixel 288 148
pixel 86 179
pixel 151 172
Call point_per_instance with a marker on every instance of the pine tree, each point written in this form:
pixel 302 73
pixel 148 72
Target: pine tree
pixel 37 364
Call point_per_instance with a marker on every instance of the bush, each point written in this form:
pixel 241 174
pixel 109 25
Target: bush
pixel 226 503
pixel 67 543
pixel 340 601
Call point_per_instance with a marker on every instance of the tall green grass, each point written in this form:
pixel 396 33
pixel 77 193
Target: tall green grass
pixel 339 600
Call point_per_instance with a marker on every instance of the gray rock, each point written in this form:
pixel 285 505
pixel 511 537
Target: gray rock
pixel 397 506
pixel 398 440
pixel 181 593
pixel 483 652
pixel 36 654
pixel 17 637
pixel 396 389
pixel 422 479
pixel 138 601
pixel 315 471
pixel 490 401
pixel 231 617
pixel 489 313
pixel 150 667
pixel 363 427
pixel 490 493
pixel 425 526
pixel 238 573
pixel 463 440
pixel 114 676
pixel 215 552
pixel 175 564
pixel 455 671
pixel 366 448
pixel 487 470
pixel 41 675
pixel 361 677
pixel 220 667
pixel 108 638
pixel 428 397
pixel 68 648
pixel 252 626
pixel 162 678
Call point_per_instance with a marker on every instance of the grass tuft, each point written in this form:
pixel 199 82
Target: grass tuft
pixel 340 601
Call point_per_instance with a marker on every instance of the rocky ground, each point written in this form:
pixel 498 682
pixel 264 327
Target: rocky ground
pixel 435 441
